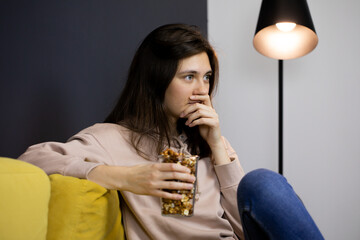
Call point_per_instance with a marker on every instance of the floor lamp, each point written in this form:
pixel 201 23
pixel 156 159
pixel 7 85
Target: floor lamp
pixel 284 31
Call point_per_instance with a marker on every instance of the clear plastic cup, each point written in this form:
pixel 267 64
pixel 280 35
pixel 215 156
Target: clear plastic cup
pixel 185 206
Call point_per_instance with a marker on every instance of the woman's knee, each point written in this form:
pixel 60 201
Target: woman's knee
pixel 260 182
pixel 259 178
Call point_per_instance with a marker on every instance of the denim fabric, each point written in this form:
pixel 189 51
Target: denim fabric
pixel 270 209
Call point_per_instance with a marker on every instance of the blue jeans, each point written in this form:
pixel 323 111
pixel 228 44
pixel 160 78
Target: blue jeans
pixel 270 209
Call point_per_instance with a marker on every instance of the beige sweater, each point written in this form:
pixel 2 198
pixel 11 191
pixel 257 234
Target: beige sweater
pixel 216 213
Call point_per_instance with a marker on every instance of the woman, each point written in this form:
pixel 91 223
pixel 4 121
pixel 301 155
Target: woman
pixel 166 103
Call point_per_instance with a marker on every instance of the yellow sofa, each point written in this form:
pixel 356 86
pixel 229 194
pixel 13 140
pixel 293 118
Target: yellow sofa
pixel 36 206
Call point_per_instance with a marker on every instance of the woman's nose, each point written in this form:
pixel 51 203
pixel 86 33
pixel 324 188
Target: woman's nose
pixel 201 88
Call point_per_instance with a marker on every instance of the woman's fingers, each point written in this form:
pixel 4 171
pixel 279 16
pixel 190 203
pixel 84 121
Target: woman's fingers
pixel 205 114
pixel 198 101
pixel 171 167
pixel 185 177
pixel 205 99
pixel 192 108
pixel 167 195
pixel 175 185
pixel 210 122
pixel 170 176
pixel 170 171
pixel 205 117
pixel 201 113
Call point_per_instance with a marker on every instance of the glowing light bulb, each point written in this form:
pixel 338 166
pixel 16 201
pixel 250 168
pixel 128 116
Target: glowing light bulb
pixel 286 26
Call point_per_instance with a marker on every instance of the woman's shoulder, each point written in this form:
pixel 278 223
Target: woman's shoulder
pixel 105 131
pixel 101 127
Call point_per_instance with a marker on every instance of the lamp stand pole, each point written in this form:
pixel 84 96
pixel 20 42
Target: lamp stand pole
pixel 281 117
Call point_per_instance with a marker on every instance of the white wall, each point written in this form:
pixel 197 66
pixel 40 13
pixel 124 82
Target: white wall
pixel 321 107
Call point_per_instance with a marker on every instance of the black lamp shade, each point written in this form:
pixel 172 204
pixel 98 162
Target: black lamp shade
pixel 272 42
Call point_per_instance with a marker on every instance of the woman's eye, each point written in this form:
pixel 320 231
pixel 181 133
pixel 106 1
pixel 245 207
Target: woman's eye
pixel 189 77
pixel 207 78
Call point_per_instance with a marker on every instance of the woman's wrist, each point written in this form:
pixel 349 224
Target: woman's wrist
pixel 219 153
pixel 104 176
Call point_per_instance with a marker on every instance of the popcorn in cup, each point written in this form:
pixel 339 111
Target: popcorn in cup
pixel 185 206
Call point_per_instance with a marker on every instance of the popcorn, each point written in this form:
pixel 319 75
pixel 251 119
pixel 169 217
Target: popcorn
pixel 185 206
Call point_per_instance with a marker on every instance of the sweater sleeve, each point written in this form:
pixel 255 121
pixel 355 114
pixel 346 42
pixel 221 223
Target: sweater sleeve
pixel 229 176
pixel 76 158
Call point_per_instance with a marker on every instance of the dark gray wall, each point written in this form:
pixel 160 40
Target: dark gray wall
pixel 63 63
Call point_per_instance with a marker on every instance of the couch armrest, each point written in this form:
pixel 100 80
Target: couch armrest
pixel 25 194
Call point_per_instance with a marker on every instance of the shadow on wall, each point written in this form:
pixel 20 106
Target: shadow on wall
pixel 64 63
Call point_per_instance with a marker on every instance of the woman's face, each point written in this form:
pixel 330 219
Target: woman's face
pixel 191 78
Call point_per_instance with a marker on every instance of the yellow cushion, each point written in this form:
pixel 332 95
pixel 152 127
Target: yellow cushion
pixel 81 209
pixel 25 194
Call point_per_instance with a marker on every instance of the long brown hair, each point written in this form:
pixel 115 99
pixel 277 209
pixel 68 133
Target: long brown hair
pixel 140 107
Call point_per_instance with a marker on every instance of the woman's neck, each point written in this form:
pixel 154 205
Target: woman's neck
pixel 173 127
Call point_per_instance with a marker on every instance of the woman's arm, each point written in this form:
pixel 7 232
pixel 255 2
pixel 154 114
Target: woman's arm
pixel 226 163
pixel 83 156
pixel 204 115
pixel 146 179
pixel 229 176
pixel 76 158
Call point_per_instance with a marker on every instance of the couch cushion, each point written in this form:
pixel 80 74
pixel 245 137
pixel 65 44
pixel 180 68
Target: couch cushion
pixel 81 209
pixel 25 194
